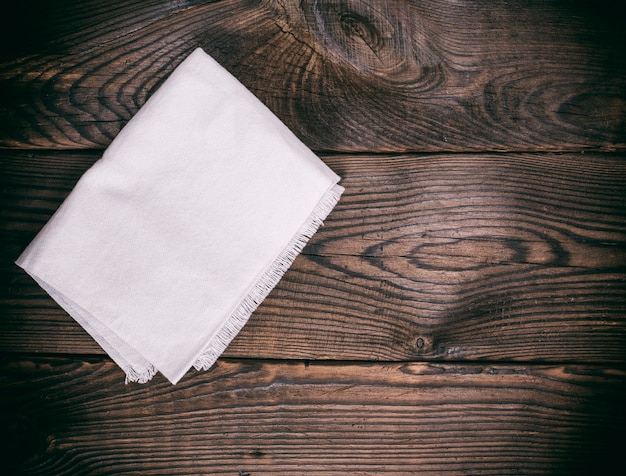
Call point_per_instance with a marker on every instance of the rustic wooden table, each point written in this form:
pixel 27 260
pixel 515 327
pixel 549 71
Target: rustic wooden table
pixel 463 310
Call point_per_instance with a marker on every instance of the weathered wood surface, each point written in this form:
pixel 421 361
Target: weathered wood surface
pixel 71 417
pixel 463 310
pixel 386 75
pixel 499 257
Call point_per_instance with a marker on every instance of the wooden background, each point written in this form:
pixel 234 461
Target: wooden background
pixel 463 310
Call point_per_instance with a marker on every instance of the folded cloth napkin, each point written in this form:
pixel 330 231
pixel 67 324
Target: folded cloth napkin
pixel 193 214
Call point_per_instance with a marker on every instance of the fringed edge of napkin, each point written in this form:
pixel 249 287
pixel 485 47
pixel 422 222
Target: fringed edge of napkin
pixel 268 280
pixel 143 376
pixel 259 291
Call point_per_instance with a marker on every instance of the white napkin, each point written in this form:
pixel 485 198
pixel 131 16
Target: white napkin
pixel 192 215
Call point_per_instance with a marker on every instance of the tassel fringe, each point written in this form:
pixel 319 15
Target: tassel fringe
pixel 268 280
pixel 144 376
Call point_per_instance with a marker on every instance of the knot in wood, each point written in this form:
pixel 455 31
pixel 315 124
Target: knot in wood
pixel 361 29
pixel 371 37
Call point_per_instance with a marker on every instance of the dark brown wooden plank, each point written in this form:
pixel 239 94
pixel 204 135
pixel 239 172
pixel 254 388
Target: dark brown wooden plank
pixel 77 417
pixel 386 75
pixel 315 313
pixel 497 257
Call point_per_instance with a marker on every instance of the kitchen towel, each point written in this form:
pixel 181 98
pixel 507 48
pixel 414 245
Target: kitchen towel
pixel 193 214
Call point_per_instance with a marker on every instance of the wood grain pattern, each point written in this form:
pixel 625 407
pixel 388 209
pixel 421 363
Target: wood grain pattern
pixel 385 75
pixel 496 257
pixel 462 311
pixel 77 417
